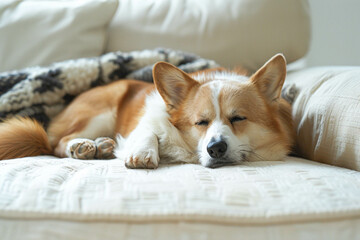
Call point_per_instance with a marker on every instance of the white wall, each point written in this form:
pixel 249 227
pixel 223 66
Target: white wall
pixel 335 32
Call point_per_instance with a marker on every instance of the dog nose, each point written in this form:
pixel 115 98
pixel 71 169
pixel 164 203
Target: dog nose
pixel 217 149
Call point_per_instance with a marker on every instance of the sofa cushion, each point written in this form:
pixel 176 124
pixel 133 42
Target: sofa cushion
pixel 230 32
pixel 326 111
pixel 41 32
pixel 255 193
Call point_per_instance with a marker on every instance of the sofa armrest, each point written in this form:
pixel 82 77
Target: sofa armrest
pixel 326 111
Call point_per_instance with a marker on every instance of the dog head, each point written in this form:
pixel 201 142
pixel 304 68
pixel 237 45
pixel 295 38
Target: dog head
pixel 228 118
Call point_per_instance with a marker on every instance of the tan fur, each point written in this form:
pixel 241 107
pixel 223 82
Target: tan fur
pixel 126 97
pixel 22 137
pixel 130 108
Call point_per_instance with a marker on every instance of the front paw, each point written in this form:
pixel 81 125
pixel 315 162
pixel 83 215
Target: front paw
pixel 143 159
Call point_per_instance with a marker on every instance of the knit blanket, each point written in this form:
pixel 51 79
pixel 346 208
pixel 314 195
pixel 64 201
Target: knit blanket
pixel 42 92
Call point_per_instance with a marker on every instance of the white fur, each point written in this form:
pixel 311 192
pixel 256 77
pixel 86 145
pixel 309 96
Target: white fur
pixel 219 130
pixel 216 87
pixel 103 125
pixel 221 76
pixel 154 133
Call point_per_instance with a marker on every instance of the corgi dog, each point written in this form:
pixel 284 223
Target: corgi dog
pixel 213 117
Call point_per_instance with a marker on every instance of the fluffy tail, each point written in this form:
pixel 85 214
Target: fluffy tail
pixel 23 137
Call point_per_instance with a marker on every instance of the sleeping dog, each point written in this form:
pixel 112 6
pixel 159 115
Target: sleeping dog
pixel 215 118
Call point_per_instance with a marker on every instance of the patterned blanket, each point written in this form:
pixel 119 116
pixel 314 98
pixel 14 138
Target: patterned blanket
pixel 42 92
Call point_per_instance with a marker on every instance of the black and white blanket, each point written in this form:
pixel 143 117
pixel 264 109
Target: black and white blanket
pixel 42 92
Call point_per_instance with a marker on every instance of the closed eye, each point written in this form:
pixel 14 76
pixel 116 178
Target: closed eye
pixel 202 123
pixel 237 119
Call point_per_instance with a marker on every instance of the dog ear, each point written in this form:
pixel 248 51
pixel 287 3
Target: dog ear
pixel 172 83
pixel 270 78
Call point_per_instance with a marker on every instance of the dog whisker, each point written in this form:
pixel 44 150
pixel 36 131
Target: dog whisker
pixel 253 153
pixel 243 145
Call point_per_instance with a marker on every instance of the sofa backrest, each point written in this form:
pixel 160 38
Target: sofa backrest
pixel 36 32
pixel 231 32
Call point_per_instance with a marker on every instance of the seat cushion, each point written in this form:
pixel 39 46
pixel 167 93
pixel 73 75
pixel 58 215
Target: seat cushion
pixel 255 193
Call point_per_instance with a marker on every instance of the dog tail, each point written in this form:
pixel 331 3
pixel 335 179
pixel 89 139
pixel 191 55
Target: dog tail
pixel 23 137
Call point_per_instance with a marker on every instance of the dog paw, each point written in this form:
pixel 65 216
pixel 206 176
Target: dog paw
pixel 145 159
pixel 81 149
pixel 104 148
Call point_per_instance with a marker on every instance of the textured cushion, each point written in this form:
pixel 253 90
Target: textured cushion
pixel 227 31
pixel 283 193
pixel 41 32
pixel 327 114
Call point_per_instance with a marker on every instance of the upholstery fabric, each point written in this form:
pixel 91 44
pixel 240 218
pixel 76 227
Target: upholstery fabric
pixel 326 111
pixel 41 32
pixel 242 32
pixel 34 229
pixel 254 194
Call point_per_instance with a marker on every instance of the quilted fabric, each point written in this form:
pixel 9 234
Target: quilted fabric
pixel 42 92
pixel 289 191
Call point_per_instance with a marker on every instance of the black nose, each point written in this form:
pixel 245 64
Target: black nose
pixel 217 149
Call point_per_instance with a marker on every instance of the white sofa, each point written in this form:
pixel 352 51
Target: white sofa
pixel 315 195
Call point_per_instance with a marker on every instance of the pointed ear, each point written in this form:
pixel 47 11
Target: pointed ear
pixel 172 83
pixel 270 78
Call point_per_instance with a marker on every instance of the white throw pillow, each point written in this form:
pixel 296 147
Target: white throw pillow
pixel 241 32
pixel 41 32
pixel 327 114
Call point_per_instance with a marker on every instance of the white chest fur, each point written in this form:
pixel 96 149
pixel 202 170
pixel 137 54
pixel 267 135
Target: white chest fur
pixel 155 133
pixel 172 147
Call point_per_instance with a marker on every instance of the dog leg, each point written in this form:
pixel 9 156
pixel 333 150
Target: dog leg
pixel 88 138
pixel 139 150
